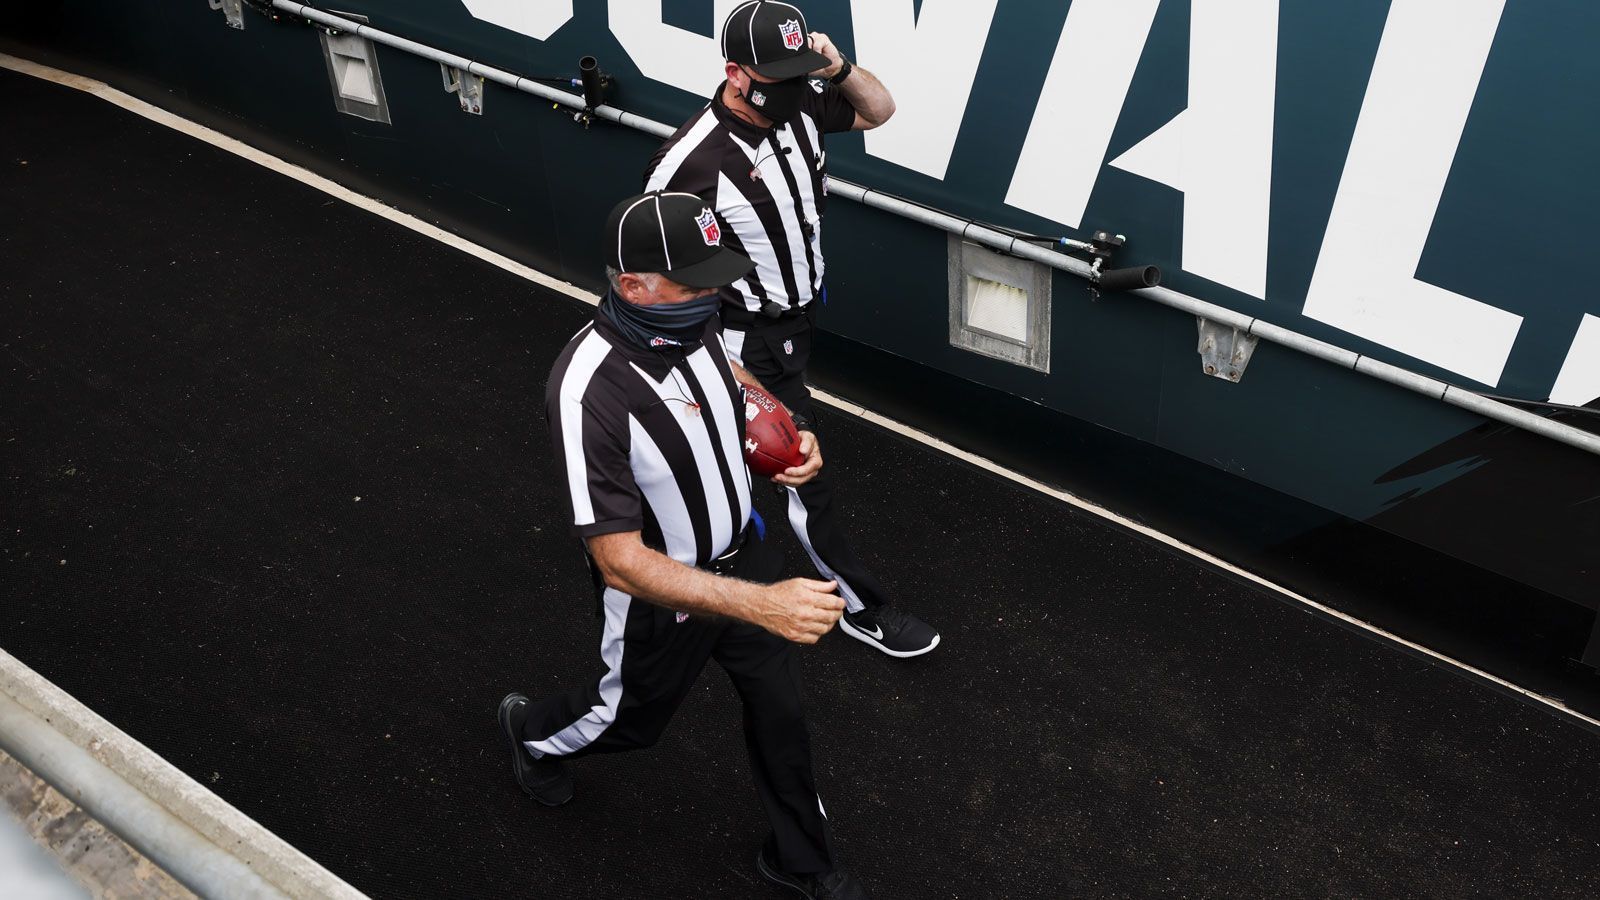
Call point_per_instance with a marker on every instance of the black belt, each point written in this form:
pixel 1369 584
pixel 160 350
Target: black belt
pixel 770 313
pixel 726 563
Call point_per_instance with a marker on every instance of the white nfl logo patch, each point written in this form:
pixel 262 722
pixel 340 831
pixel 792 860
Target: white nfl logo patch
pixel 788 348
pixel 793 37
pixel 709 229
pixel 758 98
pixel 751 411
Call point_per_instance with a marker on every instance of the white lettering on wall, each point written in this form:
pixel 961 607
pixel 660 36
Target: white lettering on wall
pixel 1579 381
pixel 1219 150
pixel 930 61
pixel 534 18
pixel 1429 63
pixel 1082 97
pixel 667 53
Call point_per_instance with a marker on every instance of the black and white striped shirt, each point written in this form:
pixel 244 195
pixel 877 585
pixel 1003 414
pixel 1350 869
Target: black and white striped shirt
pixel 769 185
pixel 651 440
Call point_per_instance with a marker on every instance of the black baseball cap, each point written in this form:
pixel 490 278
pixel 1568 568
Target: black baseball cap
pixel 771 38
pixel 675 234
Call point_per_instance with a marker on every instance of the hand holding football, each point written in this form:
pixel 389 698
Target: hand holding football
pixel 771 442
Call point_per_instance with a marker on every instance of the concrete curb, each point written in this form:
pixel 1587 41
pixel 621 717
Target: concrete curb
pixel 86 852
pixel 154 788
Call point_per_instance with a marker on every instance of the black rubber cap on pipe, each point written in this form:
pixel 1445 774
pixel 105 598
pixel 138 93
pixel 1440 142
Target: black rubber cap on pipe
pixel 1130 279
pixel 594 90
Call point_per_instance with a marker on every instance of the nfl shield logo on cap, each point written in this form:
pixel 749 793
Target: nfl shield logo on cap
pixel 770 36
pixel 707 220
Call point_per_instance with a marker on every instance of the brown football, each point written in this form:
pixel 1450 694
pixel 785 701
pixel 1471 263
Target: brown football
pixel 771 442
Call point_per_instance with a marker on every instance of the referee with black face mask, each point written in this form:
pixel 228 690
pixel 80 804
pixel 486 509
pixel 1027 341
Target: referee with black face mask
pixel 647 418
pixel 756 153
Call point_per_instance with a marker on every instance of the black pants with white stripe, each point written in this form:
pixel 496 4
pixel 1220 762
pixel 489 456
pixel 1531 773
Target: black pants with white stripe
pixel 775 352
pixel 653 659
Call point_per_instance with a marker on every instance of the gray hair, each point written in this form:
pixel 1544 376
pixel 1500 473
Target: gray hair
pixel 652 280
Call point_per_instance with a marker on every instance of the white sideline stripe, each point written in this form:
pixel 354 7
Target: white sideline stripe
pixel 1196 552
pixel 305 176
pixel 199 132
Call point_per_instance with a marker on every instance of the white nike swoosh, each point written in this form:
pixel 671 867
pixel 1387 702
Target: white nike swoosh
pixel 876 633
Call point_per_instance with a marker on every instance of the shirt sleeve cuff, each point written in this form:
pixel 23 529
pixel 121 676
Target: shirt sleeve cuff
pixel 609 526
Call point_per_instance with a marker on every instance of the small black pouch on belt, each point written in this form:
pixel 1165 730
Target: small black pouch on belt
pixel 769 314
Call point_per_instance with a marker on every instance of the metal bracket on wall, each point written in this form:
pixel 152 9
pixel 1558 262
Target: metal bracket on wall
pixel 233 9
pixel 467 87
pixel 1224 350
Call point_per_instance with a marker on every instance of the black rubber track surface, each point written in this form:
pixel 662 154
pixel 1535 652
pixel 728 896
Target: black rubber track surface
pixel 278 502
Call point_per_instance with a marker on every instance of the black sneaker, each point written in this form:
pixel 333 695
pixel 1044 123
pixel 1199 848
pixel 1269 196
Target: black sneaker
pixel 890 630
pixel 835 885
pixel 545 780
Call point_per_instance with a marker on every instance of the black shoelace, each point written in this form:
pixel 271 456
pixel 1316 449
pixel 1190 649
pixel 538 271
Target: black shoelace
pixel 889 618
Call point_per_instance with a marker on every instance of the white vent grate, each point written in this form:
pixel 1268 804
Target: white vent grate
pixel 353 72
pixel 999 309
pixel 355 79
pixel 999 305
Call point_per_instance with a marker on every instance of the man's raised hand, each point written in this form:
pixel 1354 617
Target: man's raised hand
pixel 824 45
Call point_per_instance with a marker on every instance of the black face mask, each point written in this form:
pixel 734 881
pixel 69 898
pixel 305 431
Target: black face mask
pixel 662 325
pixel 779 101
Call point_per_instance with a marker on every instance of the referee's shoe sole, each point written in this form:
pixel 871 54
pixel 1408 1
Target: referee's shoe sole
pixel 835 886
pixel 546 781
pixel 780 878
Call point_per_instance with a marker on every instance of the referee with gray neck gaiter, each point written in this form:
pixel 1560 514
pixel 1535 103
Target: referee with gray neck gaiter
pixel 647 420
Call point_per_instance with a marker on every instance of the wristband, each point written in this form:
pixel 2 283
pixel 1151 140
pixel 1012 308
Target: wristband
pixel 842 74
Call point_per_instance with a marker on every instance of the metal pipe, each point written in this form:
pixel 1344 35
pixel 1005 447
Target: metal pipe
pixel 146 825
pixel 594 91
pixel 1130 278
pixel 1010 244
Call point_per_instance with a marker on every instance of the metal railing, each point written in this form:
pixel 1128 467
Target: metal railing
pixel 1006 243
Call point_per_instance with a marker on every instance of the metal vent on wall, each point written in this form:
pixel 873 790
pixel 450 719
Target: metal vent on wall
pixel 353 71
pixel 999 305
